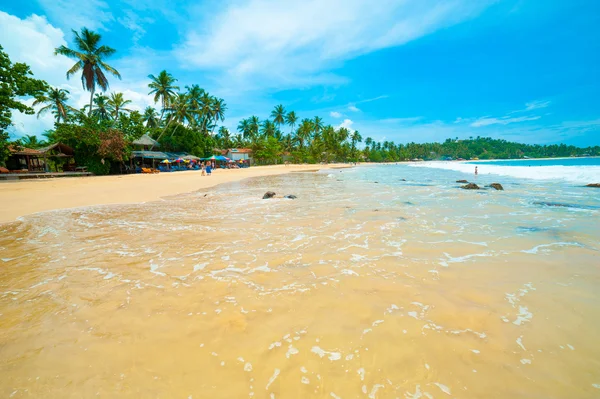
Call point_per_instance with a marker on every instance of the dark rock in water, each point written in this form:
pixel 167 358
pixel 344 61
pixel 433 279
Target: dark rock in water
pixel 376 182
pixel 462 181
pixel 597 185
pixel 402 179
pixel 269 194
pixel 470 186
pixel 375 210
pixel 497 186
pixel 402 218
pixel 408 203
pixel 291 196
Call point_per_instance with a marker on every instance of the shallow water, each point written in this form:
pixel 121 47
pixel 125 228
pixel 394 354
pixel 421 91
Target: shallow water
pixel 395 289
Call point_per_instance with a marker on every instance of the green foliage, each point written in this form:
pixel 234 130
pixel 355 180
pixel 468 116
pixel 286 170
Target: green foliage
pixel 90 60
pixel 180 138
pixel 482 148
pixel 15 81
pixel 266 150
pixel 94 147
pixel 132 125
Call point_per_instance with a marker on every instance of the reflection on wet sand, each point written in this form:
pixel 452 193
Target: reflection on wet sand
pixel 333 295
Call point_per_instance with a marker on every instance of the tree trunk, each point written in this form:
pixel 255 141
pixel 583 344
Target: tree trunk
pixel 91 101
pixel 163 109
pixel 163 132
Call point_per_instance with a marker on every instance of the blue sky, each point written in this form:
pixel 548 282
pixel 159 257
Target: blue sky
pixel 400 70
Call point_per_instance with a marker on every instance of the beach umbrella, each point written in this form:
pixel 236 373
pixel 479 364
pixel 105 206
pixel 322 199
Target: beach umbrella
pixel 165 161
pixel 179 160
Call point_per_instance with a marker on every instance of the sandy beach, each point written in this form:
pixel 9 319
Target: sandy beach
pixel 20 198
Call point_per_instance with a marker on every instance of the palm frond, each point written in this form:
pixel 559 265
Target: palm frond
pixel 110 69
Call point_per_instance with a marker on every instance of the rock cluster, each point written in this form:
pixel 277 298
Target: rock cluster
pixel 470 186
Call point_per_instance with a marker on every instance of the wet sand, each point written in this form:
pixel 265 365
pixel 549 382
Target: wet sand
pixel 25 197
pixel 401 289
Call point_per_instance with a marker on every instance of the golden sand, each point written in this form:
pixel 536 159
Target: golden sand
pixel 25 197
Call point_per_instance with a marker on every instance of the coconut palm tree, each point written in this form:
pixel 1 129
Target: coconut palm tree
pixel 150 117
pixel 268 128
pixel 291 120
pixel 355 138
pixel 90 57
pixel 278 114
pixel 180 110
pixel 195 96
pixel 31 142
pixel 116 103
pixel 225 136
pixel 55 100
pixel 101 111
pixel 218 110
pixel 304 132
pixel 317 124
pixel 163 88
pixel 206 111
pixel 254 123
pixel 244 128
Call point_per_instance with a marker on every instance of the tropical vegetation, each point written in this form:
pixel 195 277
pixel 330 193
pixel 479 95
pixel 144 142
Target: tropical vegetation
pixel 191 120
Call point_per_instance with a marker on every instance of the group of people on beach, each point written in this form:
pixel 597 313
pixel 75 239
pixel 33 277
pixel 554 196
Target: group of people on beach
pixel 207 168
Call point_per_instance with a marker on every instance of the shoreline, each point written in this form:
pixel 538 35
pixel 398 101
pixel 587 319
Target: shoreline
pixel 27 197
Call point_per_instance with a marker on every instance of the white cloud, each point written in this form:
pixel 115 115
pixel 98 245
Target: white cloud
pixel 353 108
pixel 93 14
pixel 508 118
pixel 347 123
pixel 335 114
pixel 486 121
pixel 290 43
pixel 538 104
pixel 32 40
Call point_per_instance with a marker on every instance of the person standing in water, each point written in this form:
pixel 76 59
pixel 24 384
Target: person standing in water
pixel 475 170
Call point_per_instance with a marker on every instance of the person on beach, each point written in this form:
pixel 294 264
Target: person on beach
pixel 208 169
pixel 475 170
pixel 203 169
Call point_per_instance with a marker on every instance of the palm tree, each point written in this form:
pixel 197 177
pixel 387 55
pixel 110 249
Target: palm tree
pixel 163 88
pixel 268 128
pixel 304 132
pixel 101 103
pixel 317 124
pixel 355 138
pixel 218 109
pixel 225 136
pixel 150 117
pixel 244 128
pixel 31 142
pixel 342 135
pixel 206 110
pixel 195 97
pixel 55 100
pixel 291 120
pixel 117 103
pixel 90 61
pixel 254 123
pixel 278 114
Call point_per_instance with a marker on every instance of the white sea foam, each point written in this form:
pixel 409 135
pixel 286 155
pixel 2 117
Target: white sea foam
pixel 322 352
pixel 575 174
